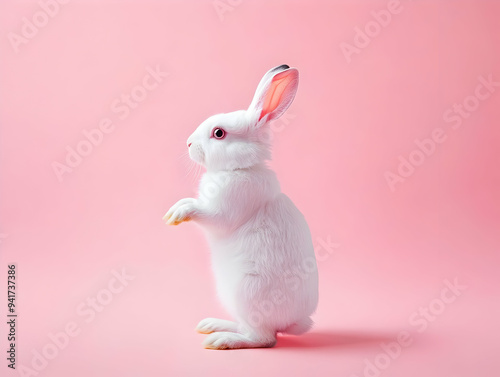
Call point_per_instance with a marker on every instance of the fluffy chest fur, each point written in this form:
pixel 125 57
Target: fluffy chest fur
pixel 235 196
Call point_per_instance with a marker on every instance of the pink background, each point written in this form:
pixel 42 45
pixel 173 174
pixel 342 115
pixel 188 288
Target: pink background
pixel 348 125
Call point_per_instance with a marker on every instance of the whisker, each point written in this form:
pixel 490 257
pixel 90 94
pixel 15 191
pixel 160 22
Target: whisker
pixel 198 173
pixel 193 170
pixel 190 166
pixel 183 155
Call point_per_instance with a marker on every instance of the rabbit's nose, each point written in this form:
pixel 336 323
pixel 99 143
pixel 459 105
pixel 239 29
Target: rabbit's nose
pixel 189 144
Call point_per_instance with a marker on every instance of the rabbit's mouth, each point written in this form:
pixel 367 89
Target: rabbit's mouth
pixel 197 154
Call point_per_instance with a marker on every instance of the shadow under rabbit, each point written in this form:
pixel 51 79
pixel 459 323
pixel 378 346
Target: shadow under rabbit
pixel 333 339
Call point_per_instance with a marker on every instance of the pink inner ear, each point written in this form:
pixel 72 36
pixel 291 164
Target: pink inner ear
pixel 275 93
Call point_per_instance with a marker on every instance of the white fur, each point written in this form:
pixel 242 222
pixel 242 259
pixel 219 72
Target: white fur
pixel 262 253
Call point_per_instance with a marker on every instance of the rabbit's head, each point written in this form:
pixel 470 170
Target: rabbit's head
pixel 239 139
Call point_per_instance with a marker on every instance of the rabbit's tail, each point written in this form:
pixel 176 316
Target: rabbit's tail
pixel 299 327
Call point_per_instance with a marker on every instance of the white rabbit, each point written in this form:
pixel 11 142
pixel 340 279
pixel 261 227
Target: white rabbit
pixel 262 253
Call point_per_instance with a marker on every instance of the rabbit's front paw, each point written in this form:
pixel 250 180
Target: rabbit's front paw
pixel 180 212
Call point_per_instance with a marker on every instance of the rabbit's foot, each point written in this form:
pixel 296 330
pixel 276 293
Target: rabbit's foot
pixel 210 325
pixel 231 340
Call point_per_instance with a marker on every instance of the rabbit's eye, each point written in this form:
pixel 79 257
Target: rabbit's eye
pixel 219 133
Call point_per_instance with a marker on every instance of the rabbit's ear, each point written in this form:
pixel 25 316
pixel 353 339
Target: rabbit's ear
pixel 274 94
